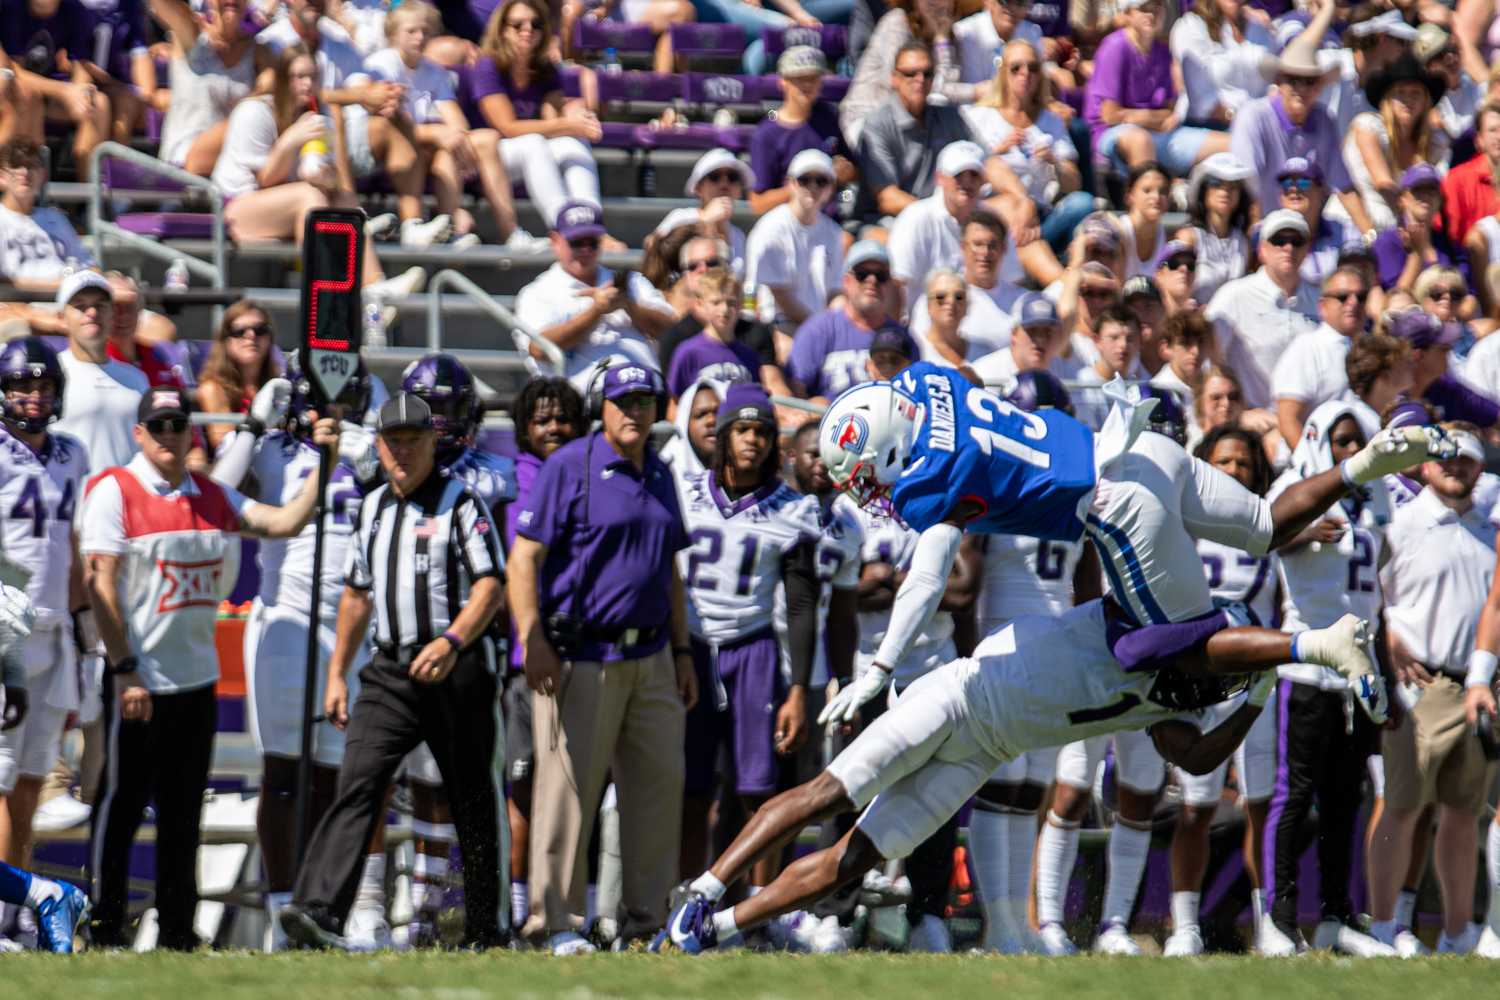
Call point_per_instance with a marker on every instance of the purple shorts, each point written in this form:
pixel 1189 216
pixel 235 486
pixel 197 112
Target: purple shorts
pixel 748 687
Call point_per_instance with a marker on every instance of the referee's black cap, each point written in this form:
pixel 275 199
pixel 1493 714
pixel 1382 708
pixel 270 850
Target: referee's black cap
pixel 404 410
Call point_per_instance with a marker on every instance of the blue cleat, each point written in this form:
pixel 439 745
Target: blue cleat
pixel 59 919
pixel 691 925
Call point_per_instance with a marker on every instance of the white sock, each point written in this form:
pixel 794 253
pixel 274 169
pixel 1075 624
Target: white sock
pixel 275 939
pixel 1492 866
pixel 989 853
pixel 427 874
pixel 41 890
pixel 276 902
pixel 1057 849
pixel 1406 908
pixel 1184 910
pixel 1257 907
pixel 1022 843
pixel 724 924
pixel 709 885
pixel 520 903
pixel 371 892
pixel 1126 861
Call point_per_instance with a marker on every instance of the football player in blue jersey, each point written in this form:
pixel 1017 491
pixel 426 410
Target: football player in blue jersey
pixel 1153 655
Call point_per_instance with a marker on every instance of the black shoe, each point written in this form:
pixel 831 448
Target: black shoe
pixel 307 927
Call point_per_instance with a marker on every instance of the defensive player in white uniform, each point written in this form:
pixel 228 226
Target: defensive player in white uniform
pixel 272 453
pixel 1023 576
pixel 1329 571
pixel 448 388
pixel 41 482
pixel 938 746
pixel 1235 578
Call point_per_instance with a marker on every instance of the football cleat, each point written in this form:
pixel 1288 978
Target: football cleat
pixel 1335 935
pixel 1408 945
pixel 566 943
pixel 1273 942
pixel 1185 942
pixel 367 929
pixel 304 929
pixel 1055 941
pixel 691 925
pixel 1489 943
pixel 1115 939
pixel 930 935
pixel 1463 944
pixel 58 919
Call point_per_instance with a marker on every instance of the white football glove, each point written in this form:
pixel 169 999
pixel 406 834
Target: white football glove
pixel 1397 448
pixel 357 450
pixel 1369 691
pixel 17 616
pixel 843 706
pixel 271 402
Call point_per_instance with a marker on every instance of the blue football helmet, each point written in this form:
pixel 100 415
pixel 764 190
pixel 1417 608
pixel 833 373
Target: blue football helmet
pixel 24 359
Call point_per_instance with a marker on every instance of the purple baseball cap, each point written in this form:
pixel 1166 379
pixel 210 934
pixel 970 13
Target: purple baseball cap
pixel 625 377
pixel 579 219
pixel 1420 175
pixel 1174 247
pixel 1422 329
pixel 1300 166
pixel 1408 414
pixel 893 339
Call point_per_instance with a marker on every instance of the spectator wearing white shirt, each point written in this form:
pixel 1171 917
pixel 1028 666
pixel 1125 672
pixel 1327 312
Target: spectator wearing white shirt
pixel 452 151
pixel 1184 344
pixel 36 241
pixel 718 180
pixel 1175 276
pixel 987 320
pixel 1437 53
pixel 1311 371
pixel 1219 49
pixel 1440 569
pixel 100 397
pixel 1118 339
pixel 1258 316
pixel 926 234
pixel 1034 342
pixel 1368 45
pixel 587 310
pixel 1219 210
pixel 795 254
pixel 983 36
pixel 944 306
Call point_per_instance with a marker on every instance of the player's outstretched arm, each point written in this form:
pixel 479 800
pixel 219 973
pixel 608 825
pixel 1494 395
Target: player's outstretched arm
pixel 1196 752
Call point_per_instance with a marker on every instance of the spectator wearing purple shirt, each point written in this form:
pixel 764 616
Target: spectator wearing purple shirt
pixel 1289 124
pixel 1129 100
pixel 802 122
pixel 830 350
pixel 49 45
pixel 1418 241
pixel 513 82
pixel 596 598
pixel 1431 341
pixel 714 352
pixel 548 414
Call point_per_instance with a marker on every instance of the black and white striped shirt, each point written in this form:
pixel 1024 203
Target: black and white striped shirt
pixel 419 555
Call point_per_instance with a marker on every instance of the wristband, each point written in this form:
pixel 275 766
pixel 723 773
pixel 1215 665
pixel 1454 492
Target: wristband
pixel 1482 665
pixel 682 650
pixel 1345 475
pixel 455 640
pixel 127 665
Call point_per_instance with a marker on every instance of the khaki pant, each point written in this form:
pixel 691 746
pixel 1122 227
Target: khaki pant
pixel 626 718
pixel 1433 757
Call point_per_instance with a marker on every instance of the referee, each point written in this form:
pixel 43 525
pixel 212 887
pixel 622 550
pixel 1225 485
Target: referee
pixel 425 561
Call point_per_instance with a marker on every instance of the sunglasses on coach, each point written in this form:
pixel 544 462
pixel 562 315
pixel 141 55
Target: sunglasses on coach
pixel 166 425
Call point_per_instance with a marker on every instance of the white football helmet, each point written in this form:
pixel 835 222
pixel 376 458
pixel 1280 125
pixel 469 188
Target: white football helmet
pixel 865 439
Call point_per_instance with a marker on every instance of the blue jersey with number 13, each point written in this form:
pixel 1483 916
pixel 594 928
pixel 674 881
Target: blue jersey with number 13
pixel 1026 470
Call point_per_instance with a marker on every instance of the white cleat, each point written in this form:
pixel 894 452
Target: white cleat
pixel 1489 943
pixel 1408 945
pixel 395 288
pixel 931 936
pixel 1461 945
pixel 1115 939
pixel 1185 942
pixel 419 235
pixel 1335 935
pixel 367 930
pixel 62 812
pixel 566 943
pixel 1272 942
pixel 1055 942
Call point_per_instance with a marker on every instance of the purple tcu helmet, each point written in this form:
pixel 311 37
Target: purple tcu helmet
pixel 24 359
pixel 354 396
pixel 1168 417
pixel 1036 389
pixel 446 386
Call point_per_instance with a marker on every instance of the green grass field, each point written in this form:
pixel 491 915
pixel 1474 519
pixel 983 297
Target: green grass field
pixel 220 976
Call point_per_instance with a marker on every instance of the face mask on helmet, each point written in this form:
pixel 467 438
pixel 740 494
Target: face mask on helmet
pixel 25 360
pixel 864 439
pixel 445 385
pixel 354 397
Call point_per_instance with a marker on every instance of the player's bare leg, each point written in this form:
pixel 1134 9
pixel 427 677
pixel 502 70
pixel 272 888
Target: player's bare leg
pixel 809 879
pixel 778 821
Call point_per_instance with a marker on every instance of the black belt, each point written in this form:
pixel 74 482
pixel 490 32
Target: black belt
pixel 399 651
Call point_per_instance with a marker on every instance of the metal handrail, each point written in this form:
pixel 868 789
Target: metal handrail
pixel 99 227
pixel 524 338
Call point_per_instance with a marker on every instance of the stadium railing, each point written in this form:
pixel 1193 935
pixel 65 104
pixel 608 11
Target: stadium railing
pixel 102 230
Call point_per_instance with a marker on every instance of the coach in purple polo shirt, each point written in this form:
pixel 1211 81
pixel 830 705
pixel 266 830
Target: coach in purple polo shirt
pixel 599 608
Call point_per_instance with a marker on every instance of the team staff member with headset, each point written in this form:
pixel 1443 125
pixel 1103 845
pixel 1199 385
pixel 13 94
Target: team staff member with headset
pixel 425 562
pixel 599 609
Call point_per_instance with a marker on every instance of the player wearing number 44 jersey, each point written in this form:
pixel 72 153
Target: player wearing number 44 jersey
pixel 41 475
pixel 936 747
pixel 272 451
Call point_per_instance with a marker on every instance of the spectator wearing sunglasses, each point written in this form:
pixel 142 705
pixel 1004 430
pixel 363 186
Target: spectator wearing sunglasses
pixel 982 37
pixel 718 180
pixel 830 350
pixel 1175 276
pixel 942 312
pixel 1442 292
pixel 795 253
pixel 578 305
pixel 801 122
pixel 238 364
pixel 1257 317
pixel 1430 343
pixel 1311 372
pixel 1303 191
pixel 1437 53
pixel 1418 241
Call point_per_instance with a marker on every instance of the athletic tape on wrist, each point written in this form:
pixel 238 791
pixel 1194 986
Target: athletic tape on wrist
pixel 1482 665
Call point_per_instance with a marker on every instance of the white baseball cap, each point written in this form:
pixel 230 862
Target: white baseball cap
pixel 959 156
pixel 811 161
pixel 77 282
pixel 1219 167
pixel 717 159
pixel 1281 220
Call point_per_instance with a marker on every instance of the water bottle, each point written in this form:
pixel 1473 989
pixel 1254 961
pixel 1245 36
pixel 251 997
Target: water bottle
pixel 313 156
pixel 612 62
pixel 176 279
pixel 374 326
